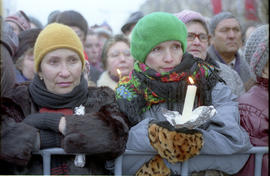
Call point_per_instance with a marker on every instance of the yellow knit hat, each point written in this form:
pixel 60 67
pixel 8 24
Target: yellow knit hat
pixel 56 36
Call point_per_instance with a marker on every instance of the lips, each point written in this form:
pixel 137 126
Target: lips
pixel 64 84
pixel 167 69
pixel 194 50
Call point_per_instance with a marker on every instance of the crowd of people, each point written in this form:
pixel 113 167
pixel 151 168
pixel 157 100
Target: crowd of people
pixel 90 91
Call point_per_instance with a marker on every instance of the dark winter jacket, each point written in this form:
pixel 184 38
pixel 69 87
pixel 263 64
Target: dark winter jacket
pixel 101 133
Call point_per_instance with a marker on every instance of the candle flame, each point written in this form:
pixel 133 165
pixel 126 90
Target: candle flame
pixel 190 80
pixel 119 73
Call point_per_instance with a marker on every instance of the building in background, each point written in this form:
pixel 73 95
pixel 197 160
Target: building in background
pixel 245 10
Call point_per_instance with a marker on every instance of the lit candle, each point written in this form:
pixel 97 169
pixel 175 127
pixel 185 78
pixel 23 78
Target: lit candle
pixel 189 100
pixel 119 73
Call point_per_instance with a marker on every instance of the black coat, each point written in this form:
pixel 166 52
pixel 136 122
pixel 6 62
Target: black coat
pixel 101 134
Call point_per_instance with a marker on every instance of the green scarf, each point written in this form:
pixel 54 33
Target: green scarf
pixel 145 87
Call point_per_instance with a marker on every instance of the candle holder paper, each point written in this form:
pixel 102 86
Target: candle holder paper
pixel 198 117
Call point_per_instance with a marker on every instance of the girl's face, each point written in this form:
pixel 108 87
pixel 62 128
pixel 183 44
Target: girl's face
pixel 165 56
pixel 119 58
pixel 61 70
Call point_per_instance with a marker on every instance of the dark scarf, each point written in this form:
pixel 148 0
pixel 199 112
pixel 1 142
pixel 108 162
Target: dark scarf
pixel 43 98
pixel 145 87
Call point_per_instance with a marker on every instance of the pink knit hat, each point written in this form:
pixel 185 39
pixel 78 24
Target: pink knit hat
pixel 188 15
pixel 21 19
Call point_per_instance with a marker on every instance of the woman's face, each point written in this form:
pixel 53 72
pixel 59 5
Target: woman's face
pixel 61 70
pixel 119 58
pixel 197 40
pixel 165 56
pixel 28 64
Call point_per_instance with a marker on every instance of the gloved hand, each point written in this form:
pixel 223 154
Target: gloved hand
pixel 175 145
pixel 155 166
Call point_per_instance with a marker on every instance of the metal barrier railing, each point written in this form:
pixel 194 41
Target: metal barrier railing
pixel 258 151
pixel 46 156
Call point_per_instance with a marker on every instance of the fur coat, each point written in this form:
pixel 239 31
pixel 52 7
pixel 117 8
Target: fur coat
pixel 101 134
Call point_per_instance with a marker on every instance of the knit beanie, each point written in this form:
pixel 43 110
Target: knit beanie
pixel 21 19
pixel 56 36
pixel 257 49
pixel 187 16
pixel 27 40
pixel 73 18
pixel 9 38
pixel 154 29
pixel 215 20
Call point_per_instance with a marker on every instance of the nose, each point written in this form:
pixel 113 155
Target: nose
pixel 122 57
pixel 196 41
pixel 168 58
pixel 64 71
pixel 231 34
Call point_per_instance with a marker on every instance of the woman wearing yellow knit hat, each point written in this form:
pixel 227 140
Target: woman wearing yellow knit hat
pixel 53 100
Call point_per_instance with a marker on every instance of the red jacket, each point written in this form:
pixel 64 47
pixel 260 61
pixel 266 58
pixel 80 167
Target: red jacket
pixel 253 108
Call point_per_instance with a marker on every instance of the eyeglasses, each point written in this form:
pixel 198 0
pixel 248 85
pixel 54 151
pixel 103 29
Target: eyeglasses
pixel 126 53
pixel 202 37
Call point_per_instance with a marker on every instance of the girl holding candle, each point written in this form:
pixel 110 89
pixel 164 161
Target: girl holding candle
pixel 160 80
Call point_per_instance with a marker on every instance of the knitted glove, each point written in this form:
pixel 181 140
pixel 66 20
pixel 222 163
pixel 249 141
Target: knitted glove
pixel 44 121
pixel 155 166
pixel 176 145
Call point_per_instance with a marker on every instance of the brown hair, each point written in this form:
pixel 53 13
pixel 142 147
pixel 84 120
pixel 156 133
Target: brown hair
pixel 109 43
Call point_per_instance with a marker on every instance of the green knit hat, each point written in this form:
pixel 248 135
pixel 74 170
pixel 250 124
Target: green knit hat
pixel 154 29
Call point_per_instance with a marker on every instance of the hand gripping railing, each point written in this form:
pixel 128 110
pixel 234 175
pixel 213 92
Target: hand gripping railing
pixel 258 151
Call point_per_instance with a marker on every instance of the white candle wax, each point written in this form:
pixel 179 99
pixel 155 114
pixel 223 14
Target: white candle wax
pixel 189 102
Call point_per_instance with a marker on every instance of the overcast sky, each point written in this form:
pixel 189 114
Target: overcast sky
pixel 115 12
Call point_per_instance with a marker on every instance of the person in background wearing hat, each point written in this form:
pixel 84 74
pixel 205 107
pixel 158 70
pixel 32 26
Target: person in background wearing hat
pixel 254 104
pixel 115 55
pixel 24 57
pixel 18 21
pixel 226 41
pixel 131 22
pixel 104 32
pixel 198 41
pixel 52 100
pixel 159 81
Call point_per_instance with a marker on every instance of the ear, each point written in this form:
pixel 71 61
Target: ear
pixel 40 75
